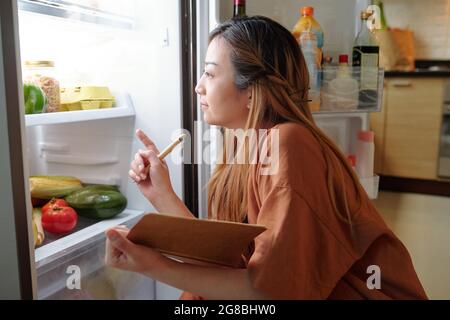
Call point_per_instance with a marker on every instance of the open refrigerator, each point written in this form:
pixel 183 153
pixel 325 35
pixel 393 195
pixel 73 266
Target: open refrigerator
pixel 136 48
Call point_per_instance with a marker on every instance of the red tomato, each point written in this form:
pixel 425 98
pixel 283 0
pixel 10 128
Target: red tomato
pixel 54 203
pixel 59 219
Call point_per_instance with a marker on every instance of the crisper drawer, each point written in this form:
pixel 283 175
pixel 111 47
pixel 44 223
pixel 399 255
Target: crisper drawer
pixel 73 267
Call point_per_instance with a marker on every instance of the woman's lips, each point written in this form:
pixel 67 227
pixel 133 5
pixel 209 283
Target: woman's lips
pixel 204 105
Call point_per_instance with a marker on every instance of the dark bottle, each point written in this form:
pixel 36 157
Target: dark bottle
pixel 239 8
pixel 366 56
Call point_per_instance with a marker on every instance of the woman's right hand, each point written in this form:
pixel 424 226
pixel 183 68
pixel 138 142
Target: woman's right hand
pixel 151 174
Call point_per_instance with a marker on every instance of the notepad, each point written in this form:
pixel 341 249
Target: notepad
pixel 195 240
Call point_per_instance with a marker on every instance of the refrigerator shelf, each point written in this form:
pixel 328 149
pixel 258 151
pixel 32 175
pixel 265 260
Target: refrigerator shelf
pixel 125 110
pixel 88 232
pixel 69 9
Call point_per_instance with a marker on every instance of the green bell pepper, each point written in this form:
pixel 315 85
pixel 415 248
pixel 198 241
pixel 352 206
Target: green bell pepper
pixel 35 99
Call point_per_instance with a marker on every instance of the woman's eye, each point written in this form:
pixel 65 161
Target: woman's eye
pixel 206 73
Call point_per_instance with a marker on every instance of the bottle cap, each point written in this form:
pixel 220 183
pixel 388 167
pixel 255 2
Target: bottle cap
pixel 239 2
pixel 366 136
pixel 352 159
pixel 307 11
pixel 343 58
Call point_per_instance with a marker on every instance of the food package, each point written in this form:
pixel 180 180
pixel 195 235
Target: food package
pixel 397 52
pixel 86 98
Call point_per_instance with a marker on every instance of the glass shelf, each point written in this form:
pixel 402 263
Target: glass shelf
pixel 75 10
pixel 337 90
pixel 123 109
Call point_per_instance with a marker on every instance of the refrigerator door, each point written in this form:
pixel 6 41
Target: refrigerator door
pixel 138 57
pixel 17 273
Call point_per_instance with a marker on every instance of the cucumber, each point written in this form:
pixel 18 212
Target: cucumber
pixel 97 202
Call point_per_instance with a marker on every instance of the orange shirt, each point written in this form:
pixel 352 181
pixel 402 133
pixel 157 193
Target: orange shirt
pixel 307 251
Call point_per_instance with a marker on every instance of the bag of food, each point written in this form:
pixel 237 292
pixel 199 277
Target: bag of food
pixel 397 52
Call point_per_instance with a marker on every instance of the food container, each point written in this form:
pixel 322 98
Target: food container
pixel 86 98
pixel 42 73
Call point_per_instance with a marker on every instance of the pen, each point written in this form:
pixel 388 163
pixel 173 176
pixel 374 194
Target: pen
pixel 167 151
pixel 172 146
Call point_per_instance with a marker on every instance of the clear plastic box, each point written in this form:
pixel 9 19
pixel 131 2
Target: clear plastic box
pixel 350 89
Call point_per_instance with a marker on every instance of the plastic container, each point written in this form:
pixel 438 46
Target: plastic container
pixel 352 160
pixel 307 22
pixel 43 74
pixel 344 90
pixel 308 43
pixel 365 153
pixel 86 98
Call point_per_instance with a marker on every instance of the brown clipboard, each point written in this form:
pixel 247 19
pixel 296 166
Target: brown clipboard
pixel 195 240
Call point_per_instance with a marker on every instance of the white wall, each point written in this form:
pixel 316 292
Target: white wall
pixel 429 21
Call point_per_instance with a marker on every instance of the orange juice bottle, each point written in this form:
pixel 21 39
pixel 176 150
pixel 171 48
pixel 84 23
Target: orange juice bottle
pixel 308 23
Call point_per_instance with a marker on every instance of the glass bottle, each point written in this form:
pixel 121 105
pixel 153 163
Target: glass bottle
pixel 239 8
pixel 366 53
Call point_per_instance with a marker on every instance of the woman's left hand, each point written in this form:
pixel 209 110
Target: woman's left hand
pixel 123 254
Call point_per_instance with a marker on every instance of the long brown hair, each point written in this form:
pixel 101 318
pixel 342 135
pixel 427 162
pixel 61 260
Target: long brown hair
pixel 267 59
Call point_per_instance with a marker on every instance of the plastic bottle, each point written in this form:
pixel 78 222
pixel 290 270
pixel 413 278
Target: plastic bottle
pixel 352 160
pixel 344 90
pixel 365 153
pixel 308 22
pixel 308 44
pixel 328 74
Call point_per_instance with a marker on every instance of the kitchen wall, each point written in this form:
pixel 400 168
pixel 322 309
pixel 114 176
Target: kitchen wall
pixel 430 22
pixel 339 19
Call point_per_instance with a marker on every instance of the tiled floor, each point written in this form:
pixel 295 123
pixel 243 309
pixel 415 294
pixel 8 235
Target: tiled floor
pixel 422 222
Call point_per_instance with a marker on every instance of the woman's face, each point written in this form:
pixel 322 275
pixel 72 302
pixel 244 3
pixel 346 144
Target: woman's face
pixel 222 102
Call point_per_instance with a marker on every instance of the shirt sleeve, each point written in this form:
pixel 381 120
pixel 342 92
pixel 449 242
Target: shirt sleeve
pixel 298 256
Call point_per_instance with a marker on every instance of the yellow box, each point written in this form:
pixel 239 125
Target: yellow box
pixel 86 98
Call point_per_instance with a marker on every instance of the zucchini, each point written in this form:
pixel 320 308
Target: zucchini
pixel 97 202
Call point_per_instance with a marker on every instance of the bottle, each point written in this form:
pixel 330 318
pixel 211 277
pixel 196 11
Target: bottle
pixel 352 160
pixel 239 8
pixel 366 56
pixel 365 153
pixel 383 24
pixel 43 74
pixel 308 44
pixel 344 90
pixel 308 22
pixel 328 74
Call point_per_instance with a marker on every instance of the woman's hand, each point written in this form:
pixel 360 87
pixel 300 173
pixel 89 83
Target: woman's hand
pixel 123 254
pixel 151 174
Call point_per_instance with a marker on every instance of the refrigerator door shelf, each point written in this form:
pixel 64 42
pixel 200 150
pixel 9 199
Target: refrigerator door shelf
pixel 126 109
pixel 87 232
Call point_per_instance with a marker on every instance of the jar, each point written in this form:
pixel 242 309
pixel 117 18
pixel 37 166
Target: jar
pixel 43 74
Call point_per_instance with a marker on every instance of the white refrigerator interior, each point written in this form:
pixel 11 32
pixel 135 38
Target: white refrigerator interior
pixel 133 47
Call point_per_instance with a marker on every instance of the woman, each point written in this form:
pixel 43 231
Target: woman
pixel 324 238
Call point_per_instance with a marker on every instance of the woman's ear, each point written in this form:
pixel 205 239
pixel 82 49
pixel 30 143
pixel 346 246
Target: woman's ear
pixel 249 98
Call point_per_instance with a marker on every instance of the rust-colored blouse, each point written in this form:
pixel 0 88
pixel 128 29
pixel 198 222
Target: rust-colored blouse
pixel 307 251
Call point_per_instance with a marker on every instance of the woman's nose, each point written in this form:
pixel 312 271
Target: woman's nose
pixel 199 89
